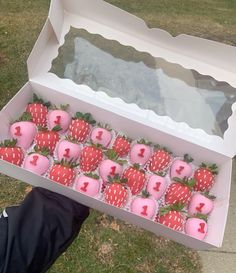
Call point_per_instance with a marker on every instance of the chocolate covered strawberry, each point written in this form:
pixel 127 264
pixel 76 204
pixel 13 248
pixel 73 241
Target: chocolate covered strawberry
pixel 90 158
pixel 88 184
pixel 196 226
pixel 160 159
pixel 157 185
pixel 144 206
pixel 121 145
pixel 171 217
pixel 9 151
pixel 116 193
pixel 59 117
pixel 101 135
pixel 140 152
pixel 63 172
pixel 205 177
pixel 136 178
pixel 68 149
pixel 47 138
pixel 180 191
pixel 38 109
pixel 24 130
pixel 80 126
pixel 38 161
pixel 202 203
pixel 111 166
pixel 181 168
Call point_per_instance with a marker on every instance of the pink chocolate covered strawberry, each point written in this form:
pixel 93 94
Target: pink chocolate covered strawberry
pixel 160 159
pixel 59 117
pixel 80 126
pixel 180 191
pixel 68 149
pixel 24 130
pixel 144 206
pixel 171 217
pixel 121 145
pixel 181 168
pixel 157 185
pixel 136 178
pixel 196 226
pixel 37 161
pixel 202 203
pixel 101 135
pixel 111 166
pixel 205 177
pixel 91 157
pixel 38 110
pixel 63 172
pixel 140 152
pixel 9 151
pixel 47 138
pixel 88 184
pixel 116 193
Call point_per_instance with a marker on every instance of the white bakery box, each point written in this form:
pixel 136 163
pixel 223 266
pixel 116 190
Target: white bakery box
pixel 175 91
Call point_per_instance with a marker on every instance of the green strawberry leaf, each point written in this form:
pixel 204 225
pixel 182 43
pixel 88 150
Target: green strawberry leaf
pixel 145 142
pixel 145 194
pixel 57 128
pixel 92 175
pixel 26 116
pixel 8 143
pixel 188 158
pixel 36 99
pixel 200 216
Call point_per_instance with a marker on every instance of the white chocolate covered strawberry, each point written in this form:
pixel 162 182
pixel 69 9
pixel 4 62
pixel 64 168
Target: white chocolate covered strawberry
pixel 202 203
pixel 24 130
pixel 38 161
pixel 144 206
pixel 156 185
pixel 59 117
pixel 68 149
pixel 111 166
pixel 88 184
pixel 101 136
pixel 196 227
pixel 181 168
pixel 140 152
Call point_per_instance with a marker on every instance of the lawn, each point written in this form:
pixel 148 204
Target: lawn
pixel 106 244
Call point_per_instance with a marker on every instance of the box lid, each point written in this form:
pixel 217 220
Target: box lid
pixel 185 86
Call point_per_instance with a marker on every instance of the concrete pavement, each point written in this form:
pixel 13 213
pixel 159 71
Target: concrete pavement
pixel 223 260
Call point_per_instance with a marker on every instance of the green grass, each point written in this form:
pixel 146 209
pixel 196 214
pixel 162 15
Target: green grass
pixel 105 244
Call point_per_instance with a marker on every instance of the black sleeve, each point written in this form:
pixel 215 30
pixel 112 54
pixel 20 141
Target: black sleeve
pixel 35 233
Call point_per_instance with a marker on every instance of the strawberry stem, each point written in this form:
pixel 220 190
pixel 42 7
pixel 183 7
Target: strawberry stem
pixel 36 99
pixel 212 168
pixel 144 142
pixel 92 175
pixel 188 158
pixel 189 182
pixel 86 117
pixel 10 143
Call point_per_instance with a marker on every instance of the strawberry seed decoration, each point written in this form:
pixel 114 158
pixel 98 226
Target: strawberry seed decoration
pixel 99 162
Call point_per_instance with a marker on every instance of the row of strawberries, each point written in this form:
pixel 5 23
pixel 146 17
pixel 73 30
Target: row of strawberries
pixel 45 128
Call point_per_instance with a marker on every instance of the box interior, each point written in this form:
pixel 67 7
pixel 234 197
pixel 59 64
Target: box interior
pixel 136 129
